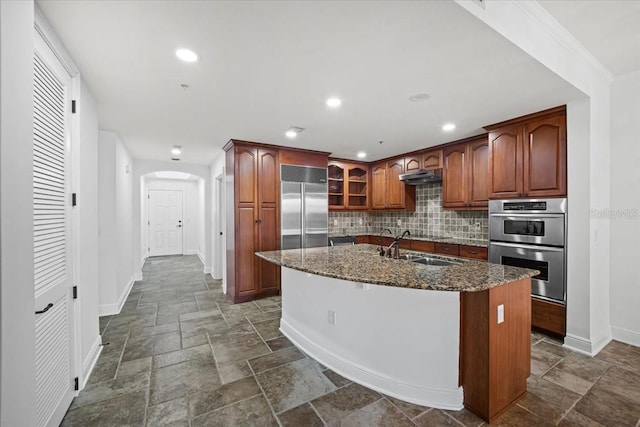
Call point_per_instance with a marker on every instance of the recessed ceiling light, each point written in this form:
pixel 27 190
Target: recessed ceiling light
pixel 293 131
pixel 334 102
pixel 176 150
pixel 447 127
pixel 361 154
pixel 187 55
pixel 419 97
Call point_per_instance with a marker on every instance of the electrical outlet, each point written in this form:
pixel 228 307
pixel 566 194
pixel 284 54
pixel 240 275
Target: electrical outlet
pixel 500 313
pixel 399 222
pixel 335 222
pixel 331 318
pixel 360 221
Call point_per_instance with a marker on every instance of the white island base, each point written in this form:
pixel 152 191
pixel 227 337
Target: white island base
pixel 402 342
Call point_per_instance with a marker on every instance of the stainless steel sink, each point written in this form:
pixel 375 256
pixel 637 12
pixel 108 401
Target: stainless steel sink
pixel 425 260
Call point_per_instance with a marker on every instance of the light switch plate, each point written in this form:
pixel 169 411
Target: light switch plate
pixel 500 313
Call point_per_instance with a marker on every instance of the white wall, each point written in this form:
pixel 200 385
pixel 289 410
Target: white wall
pixel 625 205
pixel 115 205
pixel 218 245
pixel 146 167
pixel 17 348
pixel 85 217
pixel 191 203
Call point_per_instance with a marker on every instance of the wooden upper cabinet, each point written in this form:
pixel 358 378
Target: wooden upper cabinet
pixel 478 173
pixel 465 180
pixel 395 187
pixel 505 163
pixel 348 185
pixel 454 180
pixel 246 175
pixel 413 163
pixel 432 159
pixel 269 181
pixel 379 186
pixel 528 156
pixel 545 158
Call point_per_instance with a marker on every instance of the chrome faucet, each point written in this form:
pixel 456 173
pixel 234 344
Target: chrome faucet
pixel 381 249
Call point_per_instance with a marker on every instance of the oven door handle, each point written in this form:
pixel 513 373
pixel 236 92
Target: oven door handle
pixel 527 216
pixel 537 248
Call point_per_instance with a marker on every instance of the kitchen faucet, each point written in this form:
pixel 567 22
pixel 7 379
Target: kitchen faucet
pixel 396 245
pixel 382 230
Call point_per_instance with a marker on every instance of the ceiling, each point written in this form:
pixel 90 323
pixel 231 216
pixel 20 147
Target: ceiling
pixel 609 29
pixel 266 66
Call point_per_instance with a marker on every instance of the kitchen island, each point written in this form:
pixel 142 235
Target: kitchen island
pixel 440 336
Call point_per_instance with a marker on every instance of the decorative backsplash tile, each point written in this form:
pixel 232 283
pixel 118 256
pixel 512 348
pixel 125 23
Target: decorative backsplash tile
pixel 429 219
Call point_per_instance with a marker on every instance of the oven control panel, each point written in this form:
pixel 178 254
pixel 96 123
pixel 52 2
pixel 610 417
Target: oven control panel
pixel 524 206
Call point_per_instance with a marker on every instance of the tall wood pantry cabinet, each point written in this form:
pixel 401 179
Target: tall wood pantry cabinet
pixel 252 180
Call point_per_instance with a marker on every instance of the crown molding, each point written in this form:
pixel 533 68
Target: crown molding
pixel 51 39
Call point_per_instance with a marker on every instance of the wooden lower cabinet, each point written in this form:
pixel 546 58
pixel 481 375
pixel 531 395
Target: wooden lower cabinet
pixel 495 358
pixel 549 316
pixel 447 249
pixel 474 252
pixel 362 239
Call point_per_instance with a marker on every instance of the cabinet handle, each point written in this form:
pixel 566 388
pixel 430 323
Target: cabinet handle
pixel 44 310
pixel 473 252
pixel 258 221
pixel 446 249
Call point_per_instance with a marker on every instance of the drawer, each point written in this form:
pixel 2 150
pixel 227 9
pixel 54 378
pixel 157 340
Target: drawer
pixel 362 239
pixel 447 249
pixel 474 252
pixel 548 316
pixel 422 246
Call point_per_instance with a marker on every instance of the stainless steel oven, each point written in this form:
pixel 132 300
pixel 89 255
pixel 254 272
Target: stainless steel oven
pixel 532 234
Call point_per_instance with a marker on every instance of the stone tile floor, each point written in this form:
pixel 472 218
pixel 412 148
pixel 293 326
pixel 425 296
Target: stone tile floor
pixel 180 354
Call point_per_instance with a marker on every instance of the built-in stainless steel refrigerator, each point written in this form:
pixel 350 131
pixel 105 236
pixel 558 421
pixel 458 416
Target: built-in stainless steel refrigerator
pixel 304 207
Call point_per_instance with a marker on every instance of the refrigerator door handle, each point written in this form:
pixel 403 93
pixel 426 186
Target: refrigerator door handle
pixel 303 213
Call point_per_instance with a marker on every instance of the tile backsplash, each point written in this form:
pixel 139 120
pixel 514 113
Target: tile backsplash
pixel 429 219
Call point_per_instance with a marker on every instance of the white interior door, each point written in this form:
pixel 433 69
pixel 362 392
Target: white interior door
pixel 165 222
pixel 51 218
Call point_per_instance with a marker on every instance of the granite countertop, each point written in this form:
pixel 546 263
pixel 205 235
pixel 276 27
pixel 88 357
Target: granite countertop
pixel 483 243
pixel 361 263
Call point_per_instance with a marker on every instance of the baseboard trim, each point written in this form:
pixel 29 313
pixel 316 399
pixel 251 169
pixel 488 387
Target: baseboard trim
pixel 90 361
pixel 584 346
pixel 432 397
pixel 111 309
pixel 626 336
pixel 207 270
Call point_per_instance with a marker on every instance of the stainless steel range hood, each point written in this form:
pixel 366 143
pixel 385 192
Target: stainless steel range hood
pixel 422 176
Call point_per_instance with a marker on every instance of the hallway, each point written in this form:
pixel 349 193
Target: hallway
pixel 181 354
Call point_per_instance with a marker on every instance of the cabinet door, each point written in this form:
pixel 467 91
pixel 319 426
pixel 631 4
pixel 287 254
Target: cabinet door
pixel 478 174
pixel 505 163
pixel 246 175
pixel 337 185
pixel 545 158
pixel 395 187
pixel 268 274
pixel 268 177
pixel 379 186
pixel 412 163
pixel 454 182
pixel 246 232
pixel 432 159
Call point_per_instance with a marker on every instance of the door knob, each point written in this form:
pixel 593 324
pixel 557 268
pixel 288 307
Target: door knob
pixel 179 225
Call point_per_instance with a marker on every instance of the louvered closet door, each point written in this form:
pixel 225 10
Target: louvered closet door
pixel 51 218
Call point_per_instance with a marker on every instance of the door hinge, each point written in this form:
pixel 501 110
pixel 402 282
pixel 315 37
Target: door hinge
pixel 75 292
pixel 76 384
pixel 148 196
pixel 73 106
pixel 148 222
pixel 74 199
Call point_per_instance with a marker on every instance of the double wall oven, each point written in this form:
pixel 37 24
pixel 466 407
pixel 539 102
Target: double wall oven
pixel 532 234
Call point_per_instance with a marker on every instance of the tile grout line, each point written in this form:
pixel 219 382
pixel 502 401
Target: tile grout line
pixel 450 416
pixel 264 394
pixel 317 413
pixel 403 413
